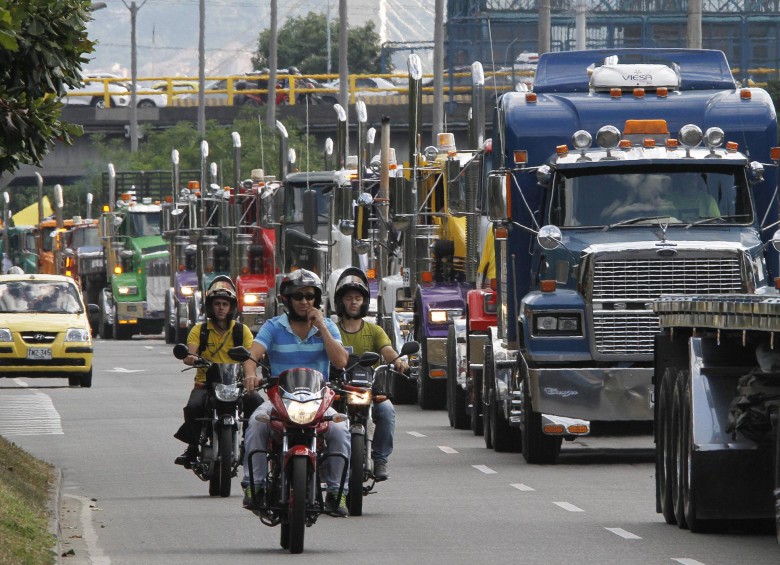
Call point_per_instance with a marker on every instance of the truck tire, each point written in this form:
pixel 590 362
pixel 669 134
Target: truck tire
pixel 538 448
pixel 676 434
pixel 431 395
pixel 170 329
pixel 487 397
pixel 664 472
pixel 105 330
pixel 505 438
pixel 476 407
pixel 777 483
pixel 456 396
pixel 688 482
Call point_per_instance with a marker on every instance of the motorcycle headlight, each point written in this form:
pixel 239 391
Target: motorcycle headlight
pixel 302 412
pixel 187 290
pixel 359 398
pixel 75 334
pixel 226 393
pixel 128 290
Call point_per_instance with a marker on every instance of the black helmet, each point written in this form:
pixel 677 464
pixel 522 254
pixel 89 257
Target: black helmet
pixel 351 278
pixel 299 279
pixel 221 287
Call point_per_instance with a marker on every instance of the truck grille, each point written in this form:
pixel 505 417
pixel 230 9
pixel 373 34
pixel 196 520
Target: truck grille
pixel 622 290
pixel 157 282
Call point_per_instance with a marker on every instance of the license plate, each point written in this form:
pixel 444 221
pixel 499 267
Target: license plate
pixel 39 353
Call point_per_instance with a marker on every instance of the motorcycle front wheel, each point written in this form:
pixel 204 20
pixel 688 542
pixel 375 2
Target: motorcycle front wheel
pixel 221 479
pixel 356 465
pixel 297 512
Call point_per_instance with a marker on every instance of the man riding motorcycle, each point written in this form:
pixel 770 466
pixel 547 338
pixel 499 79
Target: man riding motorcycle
pixel 351 299
pixel 302 337
pixel 212 340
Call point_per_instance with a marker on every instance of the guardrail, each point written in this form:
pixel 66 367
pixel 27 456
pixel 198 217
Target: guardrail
pixel 291 89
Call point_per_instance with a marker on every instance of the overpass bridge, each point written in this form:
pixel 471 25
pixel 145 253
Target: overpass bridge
pixel 65 164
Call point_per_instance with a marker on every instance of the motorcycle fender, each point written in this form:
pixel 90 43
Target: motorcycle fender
pixel 357 429
pixel 300 451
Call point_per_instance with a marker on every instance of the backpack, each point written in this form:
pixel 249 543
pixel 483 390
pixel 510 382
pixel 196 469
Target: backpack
pixel 238 336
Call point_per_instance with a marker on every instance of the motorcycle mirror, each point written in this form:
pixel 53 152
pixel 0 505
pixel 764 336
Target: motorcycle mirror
pixel 368 359
pixel 409 347
pixel 239 353
pixel 180 351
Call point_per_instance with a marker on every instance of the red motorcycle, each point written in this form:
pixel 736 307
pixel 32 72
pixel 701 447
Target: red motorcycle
pixel 293 496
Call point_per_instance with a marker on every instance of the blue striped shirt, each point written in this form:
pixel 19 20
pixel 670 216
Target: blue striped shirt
pixel 286 350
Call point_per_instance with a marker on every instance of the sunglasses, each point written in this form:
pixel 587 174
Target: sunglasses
pixel 299 296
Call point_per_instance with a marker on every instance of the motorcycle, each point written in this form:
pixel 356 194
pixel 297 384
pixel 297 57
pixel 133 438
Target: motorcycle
pixel 293 494
pixel 218 455
pixel 359 387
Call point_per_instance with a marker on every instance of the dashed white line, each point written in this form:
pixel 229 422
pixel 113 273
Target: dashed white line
pixel 148 347
pixel 485 469
pixel 568 506
pixel 20 382
pixel 521 486
pixel 623 533
pixel 686 561
pixel 416 434
pixel 446 449
pixel 28 415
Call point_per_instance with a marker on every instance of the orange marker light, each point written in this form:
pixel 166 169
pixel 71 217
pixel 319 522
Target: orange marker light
pixel 639 93
pixel 774 153
pixel 745 94
pixel 426 276
pixel 615 92
pixel 562 150
pixel 530 97
pixel 548 286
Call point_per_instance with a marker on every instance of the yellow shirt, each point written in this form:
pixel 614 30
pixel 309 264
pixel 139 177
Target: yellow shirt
pixel 217 345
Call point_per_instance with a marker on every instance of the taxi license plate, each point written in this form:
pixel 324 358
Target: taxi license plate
pixel 38 353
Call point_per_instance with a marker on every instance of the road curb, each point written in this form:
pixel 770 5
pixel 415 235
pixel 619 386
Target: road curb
pixel 55 503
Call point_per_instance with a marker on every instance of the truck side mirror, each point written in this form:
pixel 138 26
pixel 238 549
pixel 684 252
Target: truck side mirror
pixel 266 210
pixel 310 212
pixel 776 240
pixel 496 196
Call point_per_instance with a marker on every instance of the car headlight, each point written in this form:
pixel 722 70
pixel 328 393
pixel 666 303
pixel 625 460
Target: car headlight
pixel 226 393
pixel 442 315
pixel 557 324
pixel 76 334
pixel 301 412
pixel 5 335
pixel 187 290
pixel 362 398
pixel 128 290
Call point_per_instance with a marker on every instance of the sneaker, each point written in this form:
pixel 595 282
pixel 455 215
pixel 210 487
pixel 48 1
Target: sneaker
pixel 249 501
pixel 187 458
pixel 380 471
pixel 337 508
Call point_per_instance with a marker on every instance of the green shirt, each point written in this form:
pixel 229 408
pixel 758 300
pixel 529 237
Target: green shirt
pixel 370 337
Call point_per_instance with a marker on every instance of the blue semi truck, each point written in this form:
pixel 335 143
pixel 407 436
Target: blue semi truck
pixel 627 174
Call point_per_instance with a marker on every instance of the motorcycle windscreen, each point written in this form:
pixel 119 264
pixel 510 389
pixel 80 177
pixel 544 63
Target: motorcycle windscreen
pixel 301 379
pixel 225 373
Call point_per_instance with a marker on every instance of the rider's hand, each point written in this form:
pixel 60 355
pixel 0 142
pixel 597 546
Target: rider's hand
pixel 251 382
pixel 401 365
pixel 314 315
pixel 190 359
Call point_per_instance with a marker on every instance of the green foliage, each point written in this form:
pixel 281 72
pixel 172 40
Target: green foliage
pixel 24 493
pixel 42 48
pixel 302 42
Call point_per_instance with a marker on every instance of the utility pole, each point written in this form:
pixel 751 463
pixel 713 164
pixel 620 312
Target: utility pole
pixel 343 67
pixel 544 26
pixel 694 24
pixel 581 38
pixel 438 70
pixel 327 35
pixel 133 75
pixel 270 116
pixel 202 72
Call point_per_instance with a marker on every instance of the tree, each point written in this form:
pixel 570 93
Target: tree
pixel 302 43
pixel 42 48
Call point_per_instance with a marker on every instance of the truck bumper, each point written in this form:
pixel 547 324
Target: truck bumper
pixel 126 311
pixel 253 319
pixel 610 394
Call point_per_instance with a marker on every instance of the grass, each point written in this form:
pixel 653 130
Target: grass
pixel 24 517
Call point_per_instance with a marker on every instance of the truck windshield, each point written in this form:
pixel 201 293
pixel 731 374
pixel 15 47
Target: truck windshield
pixel 144 223
pixel 87 237
pixel 294 202
pixel 679 195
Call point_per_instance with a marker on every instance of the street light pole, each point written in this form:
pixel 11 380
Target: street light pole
pixel 133 75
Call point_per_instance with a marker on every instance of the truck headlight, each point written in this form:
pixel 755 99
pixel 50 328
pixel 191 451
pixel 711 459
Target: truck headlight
pixel 77 334
pixel 128 290
pixel 557 325
pixel 443 315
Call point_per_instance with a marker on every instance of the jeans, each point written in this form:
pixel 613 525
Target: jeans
pixel 337 439
pixel 384 420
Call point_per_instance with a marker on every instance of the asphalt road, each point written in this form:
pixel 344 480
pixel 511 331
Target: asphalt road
pixel 449 500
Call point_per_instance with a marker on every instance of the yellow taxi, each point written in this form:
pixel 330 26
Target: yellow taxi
pixel 44 329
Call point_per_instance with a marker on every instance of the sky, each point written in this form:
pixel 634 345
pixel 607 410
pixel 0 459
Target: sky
pixel 167 31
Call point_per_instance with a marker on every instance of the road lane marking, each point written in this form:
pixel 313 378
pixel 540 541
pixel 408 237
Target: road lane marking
pixel 29 415
pixel 686 561
pixel 123 370
pixel 446 449
pixel 96 555
pixel 416 434
pixel 485 469
pixel 21 383
pixel 521 486
pixel 148 347
pixel 623 533
pixel 568 506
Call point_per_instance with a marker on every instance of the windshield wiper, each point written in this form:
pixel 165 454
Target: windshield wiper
pixel 721 219
pixel 635 221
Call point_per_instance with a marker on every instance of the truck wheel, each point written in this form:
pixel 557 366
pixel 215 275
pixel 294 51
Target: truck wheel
pixel 664 472
pixel 105 330
pixel 431 395
pixel 476 406
pixel 170 329
pixel 777 484
pixel 505 438
pixel 677 455
pixel 538 448
pixel 687 481
pixel 487 397
pixel 456 396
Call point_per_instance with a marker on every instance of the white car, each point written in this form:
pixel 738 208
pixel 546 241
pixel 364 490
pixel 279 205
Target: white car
pixel 93 94
pixel 384 88
pixel 144 100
